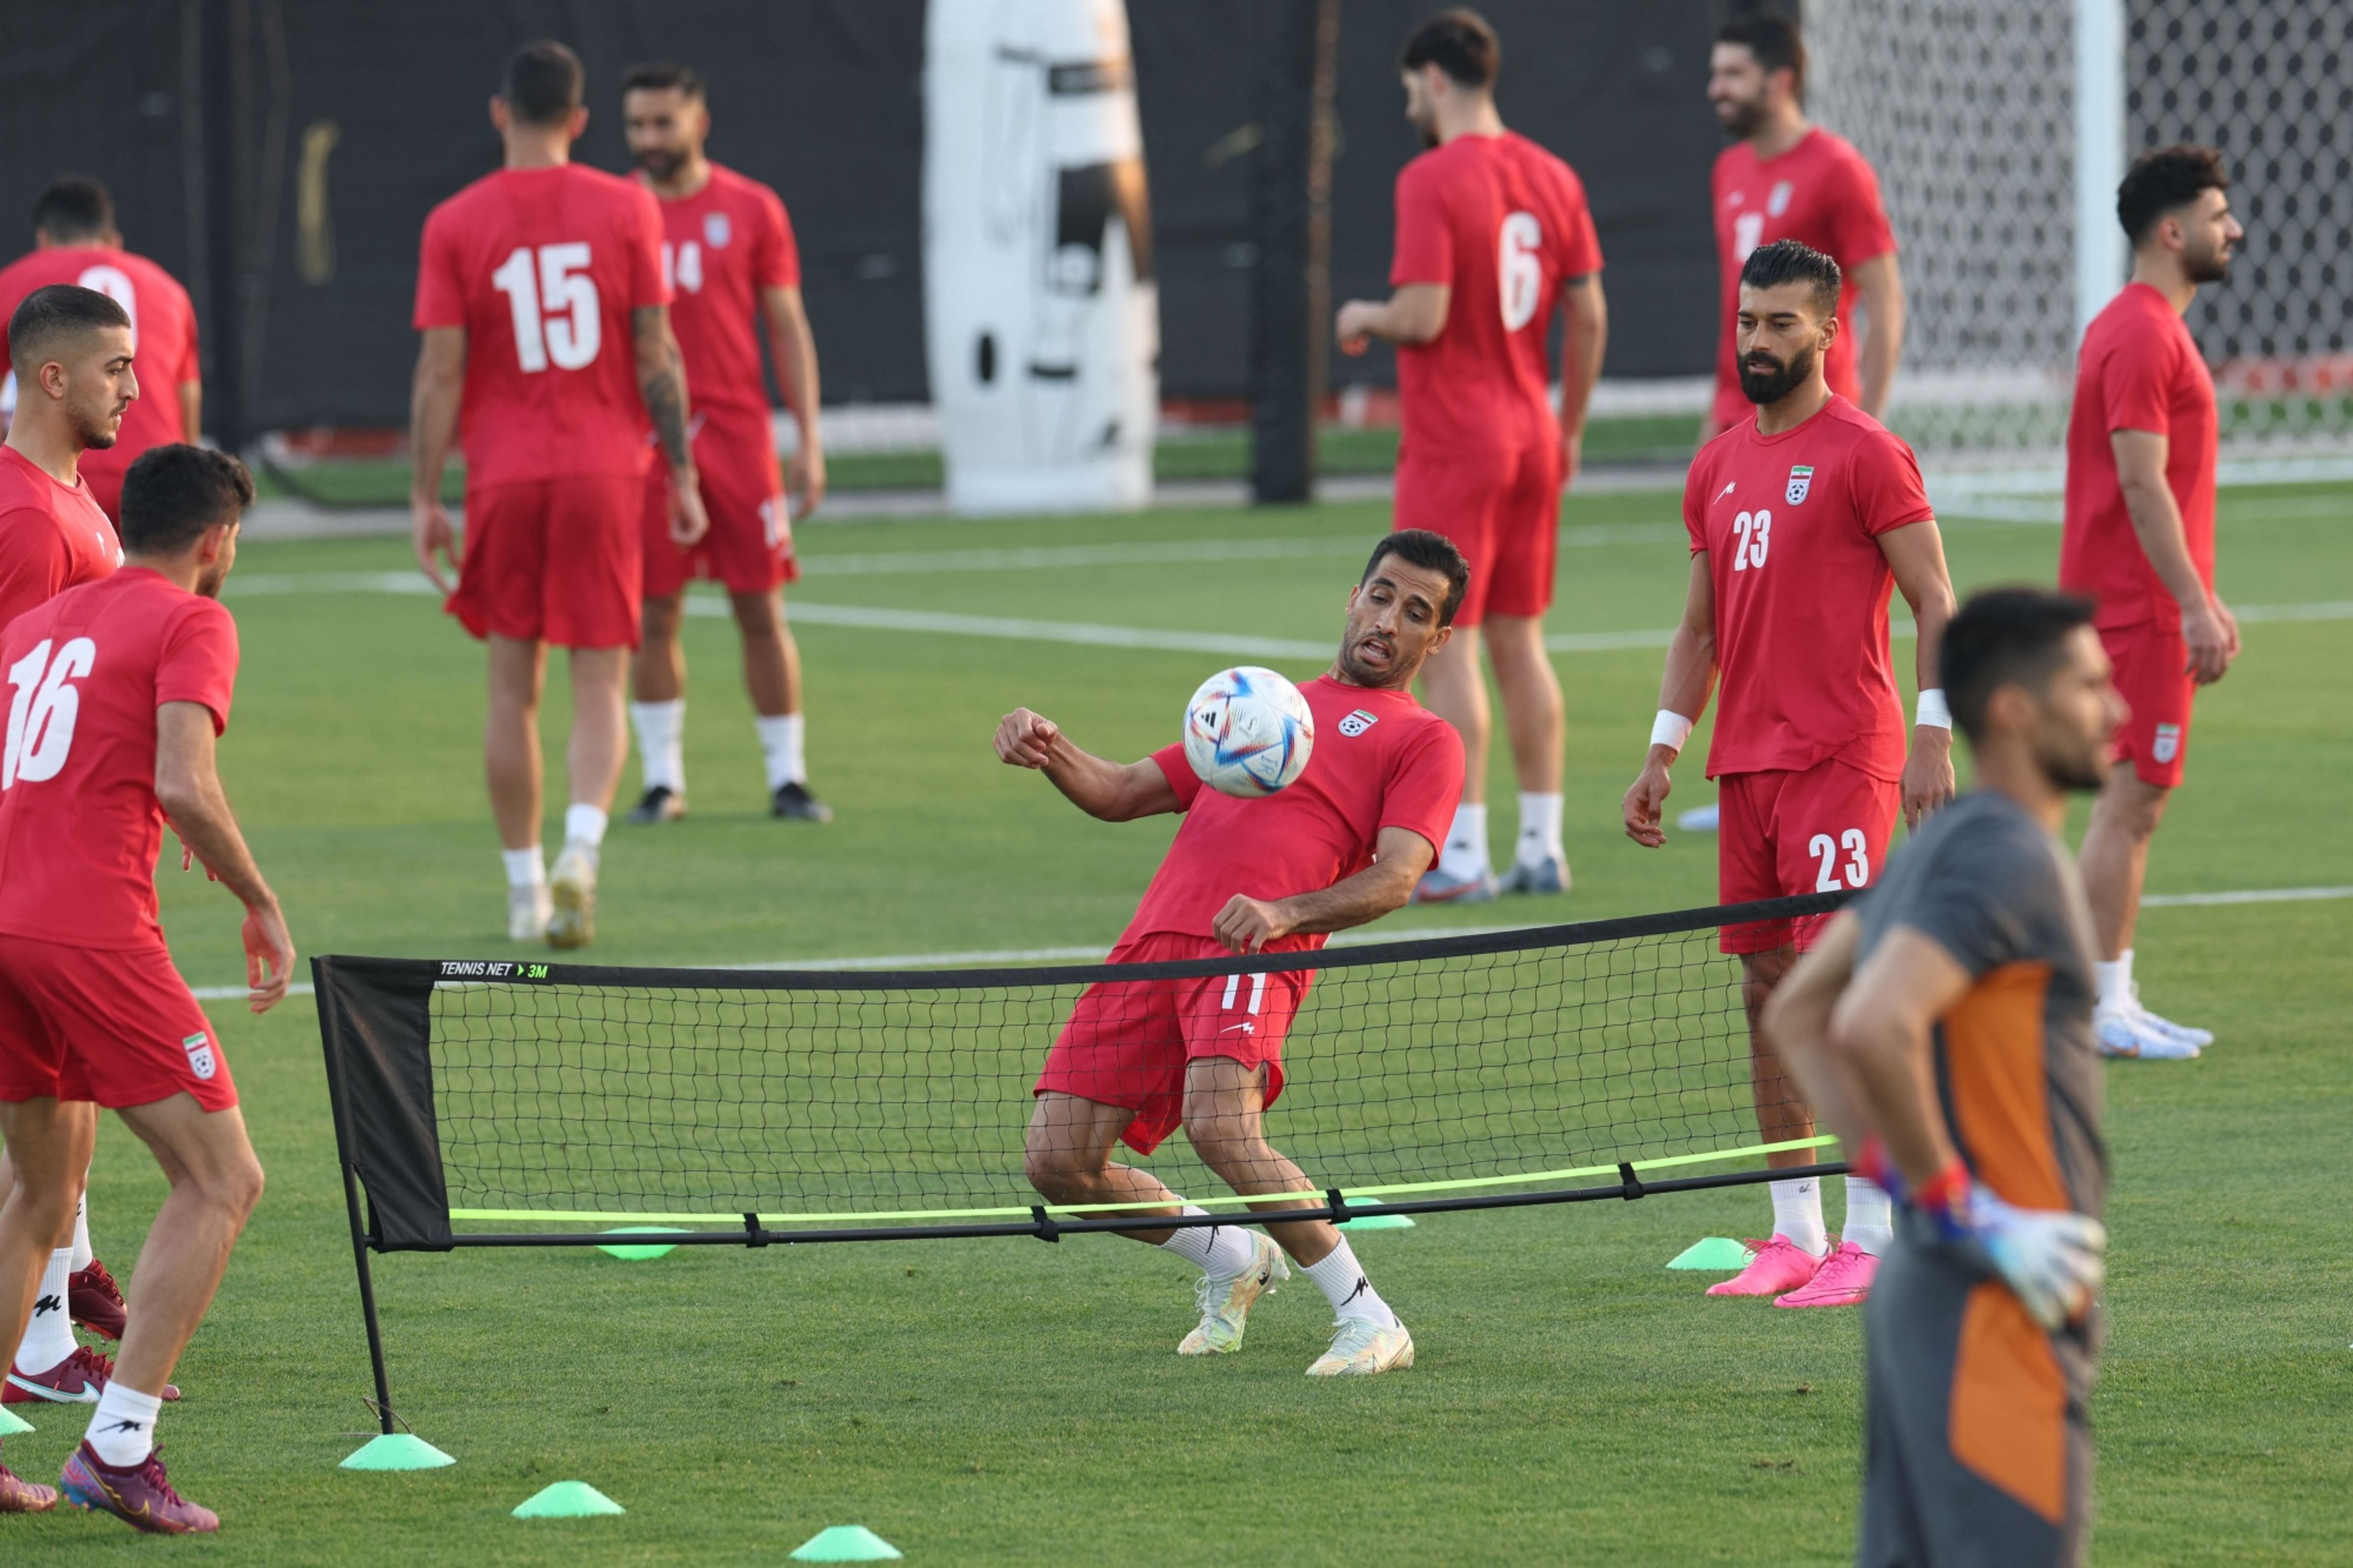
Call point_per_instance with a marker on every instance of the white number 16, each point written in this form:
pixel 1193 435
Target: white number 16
pixel 1857 864
pixel 41 717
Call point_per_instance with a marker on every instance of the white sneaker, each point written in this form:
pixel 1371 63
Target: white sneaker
pixel 1225 1301
pixel 2201 1038
pixel 1363 1347
pixel 572 886
pixel 527 913
pixel 2122 1034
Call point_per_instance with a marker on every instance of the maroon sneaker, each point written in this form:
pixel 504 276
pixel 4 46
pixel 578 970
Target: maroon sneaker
pixel 95 1301
pixel 18 1495
pixel 139 1496
pixel 79 1379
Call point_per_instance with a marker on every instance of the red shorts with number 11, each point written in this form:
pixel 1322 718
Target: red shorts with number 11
pixel 1784 834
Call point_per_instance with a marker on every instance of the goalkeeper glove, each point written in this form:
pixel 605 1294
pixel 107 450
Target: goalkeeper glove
pixel 2052 1260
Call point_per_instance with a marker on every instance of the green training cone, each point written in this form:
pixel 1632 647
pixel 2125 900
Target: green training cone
pixel 10 1426
pixel 641 1251
pixel 846 1543
pixel 397 1451
pixel 1375 1221
pixel 1714 1252
pixel 567 1499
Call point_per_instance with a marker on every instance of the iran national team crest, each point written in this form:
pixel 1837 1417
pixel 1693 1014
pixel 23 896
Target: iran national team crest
pixel 2168 744
pixel 201 1060
pixel 1357 723
pixel 1802 480
pixel 1778 201
pixel 716 230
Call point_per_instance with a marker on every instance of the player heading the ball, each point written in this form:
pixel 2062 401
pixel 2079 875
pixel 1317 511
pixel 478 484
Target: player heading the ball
pixel 1343 844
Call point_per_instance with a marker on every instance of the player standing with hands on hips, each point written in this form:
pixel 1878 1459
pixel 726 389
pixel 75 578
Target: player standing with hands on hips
pixel 1494 236
pixel 1802 520
pixel 2140 539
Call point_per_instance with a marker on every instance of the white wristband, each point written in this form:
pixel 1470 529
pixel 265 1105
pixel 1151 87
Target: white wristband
pixel 1669 729
pixel 1932 709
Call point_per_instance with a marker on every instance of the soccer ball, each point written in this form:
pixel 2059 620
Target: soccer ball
pixel 1248 732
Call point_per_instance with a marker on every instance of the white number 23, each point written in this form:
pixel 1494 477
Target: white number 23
pixel 1756 531
pixel 1858 863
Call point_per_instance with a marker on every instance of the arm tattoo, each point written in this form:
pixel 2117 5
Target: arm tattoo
pixel 665 395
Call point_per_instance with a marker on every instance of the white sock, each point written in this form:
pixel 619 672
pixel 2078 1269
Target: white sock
pixel 781 749
pixel 2114 982
pixel 50 1337
pixel 82 1256
pixel 123 1427
pixel 1342 1279
pixel 526 868
pixel 1224 1250
pixel 1465 854
pixel 1869 1216
pixel 661 742
pixel 583 825
pixel 1798 1214
pixel 1539 830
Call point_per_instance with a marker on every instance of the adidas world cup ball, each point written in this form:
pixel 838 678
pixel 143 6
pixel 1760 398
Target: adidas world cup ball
pixel 1248 732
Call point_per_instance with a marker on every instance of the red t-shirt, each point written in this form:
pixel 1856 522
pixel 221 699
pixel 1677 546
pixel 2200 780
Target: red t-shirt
pixel 720 248
pixel 543 267
pixel 162 337
pixel 1792 525
pixel 2139 370
pixel 1381 760
pixel 79 825
pixel 52 536
pixel 1820 192
pixel 1504 224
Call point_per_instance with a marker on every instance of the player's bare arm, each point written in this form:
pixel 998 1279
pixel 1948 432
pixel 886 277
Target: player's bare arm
pixel 1879 283
pixel 189 788
pixel 1401 857
pixel 192 411
pixel 2210 629
pixel 1114 792
pixel 795 349
pixel 1683 691
pixel 662 382
pixel 1915 554
pixel 433 399
pixel 1585 317
pixel 1415 314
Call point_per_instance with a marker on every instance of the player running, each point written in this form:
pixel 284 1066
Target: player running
pixel 728 252
pixel 122 688
pixel 75 241
pixel 1784 178
pixel 1493 236
pixel 72 354
pixel 1943 1028
pixel 2140 540
pixel 1801 519
pixel 547 344
pixel 1343 844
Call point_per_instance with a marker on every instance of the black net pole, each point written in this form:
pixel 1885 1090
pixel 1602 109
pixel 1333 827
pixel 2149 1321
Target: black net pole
pixel 1290 210
pixel 367 1300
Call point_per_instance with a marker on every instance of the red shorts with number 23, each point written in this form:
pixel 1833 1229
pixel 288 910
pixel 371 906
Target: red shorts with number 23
pixel 1824 829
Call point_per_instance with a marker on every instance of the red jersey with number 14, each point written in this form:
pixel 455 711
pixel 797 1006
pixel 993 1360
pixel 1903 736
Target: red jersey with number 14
pixel 542 268
pixel 1790 524
pixel 79 825
pixel 720 247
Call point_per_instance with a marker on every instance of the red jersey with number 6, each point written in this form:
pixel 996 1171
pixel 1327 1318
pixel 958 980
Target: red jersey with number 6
pixel 1790 523
pixel 79 825
pixel 542 269
pixel 720 247
pixel 1503 225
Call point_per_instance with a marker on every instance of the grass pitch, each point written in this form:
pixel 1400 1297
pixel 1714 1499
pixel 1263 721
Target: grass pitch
pixel 999 1402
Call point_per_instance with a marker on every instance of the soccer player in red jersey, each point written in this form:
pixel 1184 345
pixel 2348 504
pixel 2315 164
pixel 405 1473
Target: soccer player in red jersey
pixel 76 242
pixel 1786 178
pixel 1493 236
pixel 2140 541
pixel 1802 522
pixel 728 251
pixel 121 690
pixel 1344 843
pixel 547 345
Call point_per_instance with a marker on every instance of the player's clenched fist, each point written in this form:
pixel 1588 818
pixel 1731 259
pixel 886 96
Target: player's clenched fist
pixel 1248 924
pixel 689 519
pixel 1027 740
pixel 1644 802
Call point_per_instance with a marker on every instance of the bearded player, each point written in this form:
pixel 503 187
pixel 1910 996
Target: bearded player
pixel 728 251
pixel 1802 522
pixel 1493 237
pixel 123 690
pixel 546 347
pixel 1343 844
pixel 2140 539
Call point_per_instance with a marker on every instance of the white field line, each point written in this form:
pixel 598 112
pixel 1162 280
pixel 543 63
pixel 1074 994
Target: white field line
pixel 1084 953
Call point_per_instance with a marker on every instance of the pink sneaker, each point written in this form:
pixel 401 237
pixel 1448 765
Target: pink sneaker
pixel 1843 1280
pixel 20 1496
pixel 140 1496
pixel 79 1379
pixel 1780 1265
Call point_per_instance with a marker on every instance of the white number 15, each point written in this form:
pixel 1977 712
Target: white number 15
pixel 570 330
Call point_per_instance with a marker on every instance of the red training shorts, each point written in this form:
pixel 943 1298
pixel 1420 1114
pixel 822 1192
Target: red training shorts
pixel 750 546
pixel 554 561
pixel 1127 1042
pixel 1782 834
pixel 2152 672
pixel 77 1023
pixel 1502 512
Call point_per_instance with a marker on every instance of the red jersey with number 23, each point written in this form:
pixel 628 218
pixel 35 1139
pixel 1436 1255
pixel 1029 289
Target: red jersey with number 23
pixel 542 268
pixel 720 248
pixel 1380 759
pixel 1790 523
pixel 79 825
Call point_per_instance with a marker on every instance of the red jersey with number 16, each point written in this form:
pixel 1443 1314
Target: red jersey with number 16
pixel 720 247
pixel 542 269
pixel 79 825
pixel 1790 524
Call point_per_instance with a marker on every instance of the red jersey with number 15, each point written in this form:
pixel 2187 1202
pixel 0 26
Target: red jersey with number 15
pixel 720 247
pixel 542 268
pixel 1790 524
pixel 79 825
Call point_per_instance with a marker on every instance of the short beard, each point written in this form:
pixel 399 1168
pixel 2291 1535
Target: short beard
pixel 661 164
pixel 2207 266
pixel 1741 123
pixel 2081 774
pixel 1390 680
pixel 96 438
pixel 1761 387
